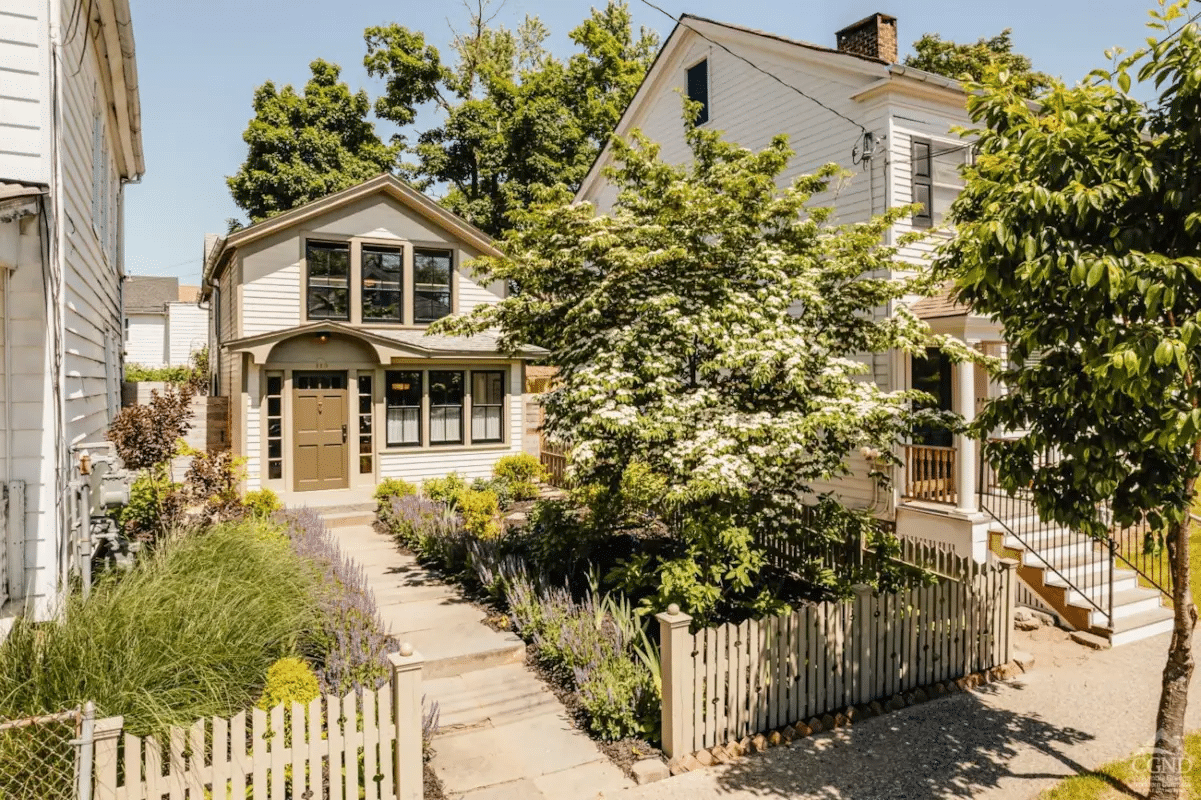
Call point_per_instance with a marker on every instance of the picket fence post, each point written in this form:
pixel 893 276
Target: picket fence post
pixel 1011 588
pixel 105 735
pixel 675 656
pixel 407 715
pixel 861 619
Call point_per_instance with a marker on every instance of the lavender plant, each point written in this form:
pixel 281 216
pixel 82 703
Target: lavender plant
pixel 351 646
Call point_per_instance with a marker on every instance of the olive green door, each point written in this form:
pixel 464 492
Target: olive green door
pixel 319 420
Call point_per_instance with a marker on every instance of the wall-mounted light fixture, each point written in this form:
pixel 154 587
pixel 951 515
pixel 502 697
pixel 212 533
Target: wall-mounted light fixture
pixel 322 337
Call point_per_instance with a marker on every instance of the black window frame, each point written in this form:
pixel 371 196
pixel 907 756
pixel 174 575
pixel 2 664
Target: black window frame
pixel 499 405
pixel 273 430
pixel 397 376
pixel 922 177
pixel 365 292
pixel 310 246
pixel 418 252
pixel 696 86
pixel 438 406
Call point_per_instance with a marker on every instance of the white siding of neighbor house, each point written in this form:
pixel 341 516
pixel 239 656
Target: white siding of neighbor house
pixel 187 332
pixel 92 278
pixel 146 339
pixel 472 462
pixel 24 91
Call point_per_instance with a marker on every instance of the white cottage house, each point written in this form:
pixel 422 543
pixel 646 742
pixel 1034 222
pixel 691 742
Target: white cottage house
pixel 318 330
pixel 70 141
pixel 891 126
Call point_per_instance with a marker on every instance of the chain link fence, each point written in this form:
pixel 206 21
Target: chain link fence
pixel 38 757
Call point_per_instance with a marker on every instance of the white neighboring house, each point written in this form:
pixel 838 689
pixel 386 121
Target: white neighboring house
pixel 164 325
pixel 318 326
pixel 70 140
pixel 890 125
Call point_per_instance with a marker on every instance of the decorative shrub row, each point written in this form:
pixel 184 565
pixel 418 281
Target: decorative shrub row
pixel 349 646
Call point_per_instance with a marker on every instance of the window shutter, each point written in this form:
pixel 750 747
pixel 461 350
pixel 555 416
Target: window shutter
pixel 698 89
pixel 923 183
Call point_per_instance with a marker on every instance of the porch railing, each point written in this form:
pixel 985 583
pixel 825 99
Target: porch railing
pixel 930 474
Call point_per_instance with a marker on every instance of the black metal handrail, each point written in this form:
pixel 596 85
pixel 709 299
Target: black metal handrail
pixel 1090 561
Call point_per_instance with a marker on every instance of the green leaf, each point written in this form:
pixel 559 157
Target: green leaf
pixel 1095 272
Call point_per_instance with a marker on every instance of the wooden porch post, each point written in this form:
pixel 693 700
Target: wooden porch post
pixel 965 447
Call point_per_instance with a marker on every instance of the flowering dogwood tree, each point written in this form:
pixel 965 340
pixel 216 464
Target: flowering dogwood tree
pixel 711 328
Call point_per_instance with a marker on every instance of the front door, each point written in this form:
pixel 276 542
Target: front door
pixel 319 420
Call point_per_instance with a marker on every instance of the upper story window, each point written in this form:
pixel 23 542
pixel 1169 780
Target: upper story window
pixel 377 283
pixel 383 292
pixel 698 89
pixel 937 178
pixel 328 280
pixel 431 278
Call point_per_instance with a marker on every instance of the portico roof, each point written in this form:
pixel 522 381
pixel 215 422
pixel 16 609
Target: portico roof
pixel 388 344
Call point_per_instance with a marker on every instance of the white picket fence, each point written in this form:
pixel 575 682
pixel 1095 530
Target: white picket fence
pixel 357 746
pixel 721 684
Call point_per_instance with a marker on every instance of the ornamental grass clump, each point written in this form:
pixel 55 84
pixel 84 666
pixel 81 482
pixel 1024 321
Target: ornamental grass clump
pixel 349 645
pixel 188 632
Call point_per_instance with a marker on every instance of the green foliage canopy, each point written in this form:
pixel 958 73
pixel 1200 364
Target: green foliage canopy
pixel 671 322
pixel 1080 233
pixel 305 146
pixel 972 61
pixel 512 115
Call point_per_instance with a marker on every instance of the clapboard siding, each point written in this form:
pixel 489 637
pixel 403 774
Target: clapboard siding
pixel 91 291
pixel 24 91
pixel 471 294
pixel 187 329
pixel 144 340
pixel 272 302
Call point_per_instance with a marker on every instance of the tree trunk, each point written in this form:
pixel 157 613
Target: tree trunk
pixel 1168 757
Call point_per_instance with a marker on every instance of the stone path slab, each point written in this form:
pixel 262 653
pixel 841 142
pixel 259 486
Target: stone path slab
pixel 503 734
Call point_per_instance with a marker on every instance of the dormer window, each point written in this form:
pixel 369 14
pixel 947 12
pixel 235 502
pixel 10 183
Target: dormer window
pixel 698 89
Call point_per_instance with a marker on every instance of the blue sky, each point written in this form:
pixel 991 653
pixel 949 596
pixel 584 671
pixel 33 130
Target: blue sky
pixel 199 62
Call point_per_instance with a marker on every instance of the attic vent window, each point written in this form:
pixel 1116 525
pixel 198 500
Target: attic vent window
pixel 698 89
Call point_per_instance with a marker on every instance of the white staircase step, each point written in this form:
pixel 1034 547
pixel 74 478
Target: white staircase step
pixel 1123 581
pixel 1129 603
pixel 1141 626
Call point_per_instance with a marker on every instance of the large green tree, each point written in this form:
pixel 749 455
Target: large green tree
pixel 305 146
pixel 671 320
pixel 511 116
pixel 971 61
pixel 1080 232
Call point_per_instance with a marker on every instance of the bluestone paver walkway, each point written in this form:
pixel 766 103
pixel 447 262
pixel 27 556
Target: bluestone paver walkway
pixel 1078 709
pixel 504 735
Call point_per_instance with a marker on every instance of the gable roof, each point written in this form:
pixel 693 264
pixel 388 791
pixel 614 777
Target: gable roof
pixel 691 25
pixel 385 184
pixel 147 295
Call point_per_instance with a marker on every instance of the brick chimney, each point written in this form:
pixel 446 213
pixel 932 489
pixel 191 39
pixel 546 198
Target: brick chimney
pixel 874 37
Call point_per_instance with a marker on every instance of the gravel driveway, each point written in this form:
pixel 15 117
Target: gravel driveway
pixel 1076 710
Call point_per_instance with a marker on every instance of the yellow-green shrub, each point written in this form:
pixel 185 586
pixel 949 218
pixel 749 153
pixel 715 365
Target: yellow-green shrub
pixel 262 503
pixel 521 467
pixel 389 488
pixel 289 680
pixel 445 490
pixel 481 513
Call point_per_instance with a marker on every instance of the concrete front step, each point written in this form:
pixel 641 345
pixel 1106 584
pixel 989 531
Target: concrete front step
pixel 348 516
